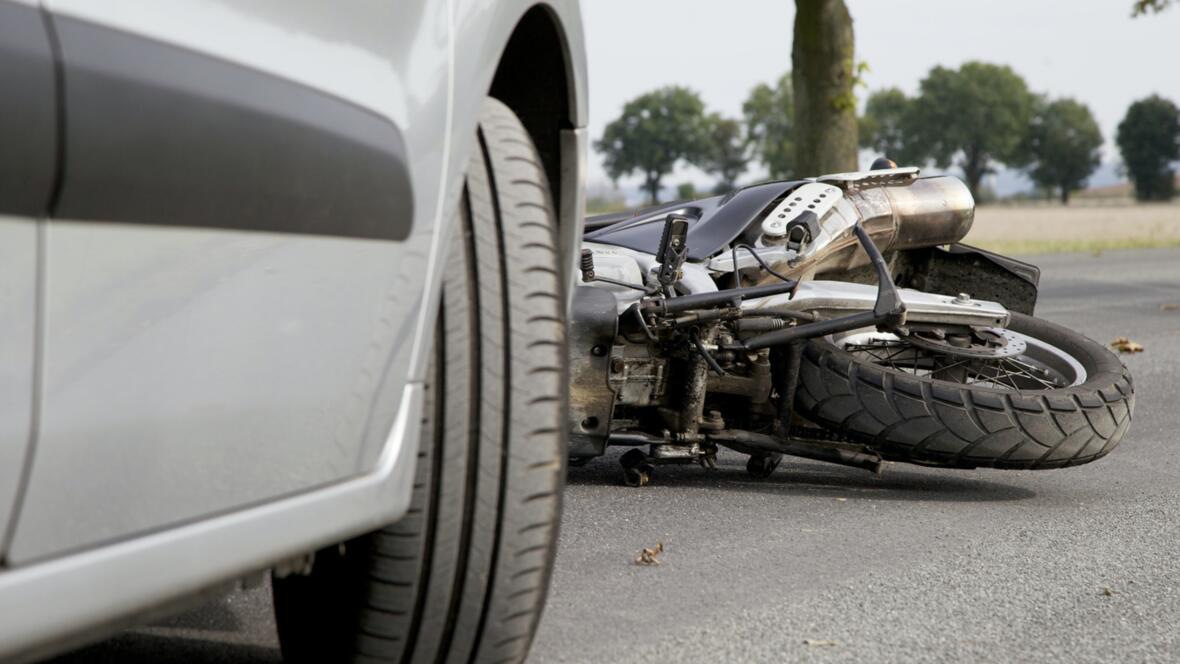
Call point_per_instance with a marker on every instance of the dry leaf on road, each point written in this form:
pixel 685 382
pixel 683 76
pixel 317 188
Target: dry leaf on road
pixel 649 556
pixel 826 643
pixel 1170 306
pixel 1125 345
pixel 1108 591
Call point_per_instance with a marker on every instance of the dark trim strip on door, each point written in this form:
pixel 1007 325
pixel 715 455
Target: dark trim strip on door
pixel 28 113
pixel 162 135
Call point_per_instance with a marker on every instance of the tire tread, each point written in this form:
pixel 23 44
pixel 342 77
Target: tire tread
pixel 464 575
pixel 921 420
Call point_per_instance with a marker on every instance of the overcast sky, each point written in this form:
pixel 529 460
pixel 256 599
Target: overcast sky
pixel 1087 49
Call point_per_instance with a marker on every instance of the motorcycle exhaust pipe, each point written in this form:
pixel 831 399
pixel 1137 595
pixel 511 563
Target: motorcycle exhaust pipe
pixel 927 212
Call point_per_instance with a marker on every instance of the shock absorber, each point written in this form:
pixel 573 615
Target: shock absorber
pixel 587 265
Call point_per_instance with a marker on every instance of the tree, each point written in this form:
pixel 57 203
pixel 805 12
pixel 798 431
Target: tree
pixel 885 127
pixel 655 131
pixel 972 117
pixel 1141 7
pixel 1065 144
pixel 1149 140
pixel 824 75
pixel 727 153
pixel 769 113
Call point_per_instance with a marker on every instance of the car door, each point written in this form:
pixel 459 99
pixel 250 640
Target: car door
pixel 236 258
pixel 27 127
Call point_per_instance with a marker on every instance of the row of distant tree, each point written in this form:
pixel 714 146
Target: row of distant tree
pixel 975 118
pixel 982 115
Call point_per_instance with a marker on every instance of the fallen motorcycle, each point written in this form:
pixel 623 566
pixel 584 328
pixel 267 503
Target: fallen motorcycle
pixel 837 319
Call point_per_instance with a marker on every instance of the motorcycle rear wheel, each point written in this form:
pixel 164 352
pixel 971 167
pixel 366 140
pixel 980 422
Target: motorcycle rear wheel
pixel 1063 402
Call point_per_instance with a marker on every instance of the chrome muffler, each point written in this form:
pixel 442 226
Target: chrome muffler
pixel 924 213
pixel 896 208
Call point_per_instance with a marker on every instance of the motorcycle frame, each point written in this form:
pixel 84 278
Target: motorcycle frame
pixel 888 310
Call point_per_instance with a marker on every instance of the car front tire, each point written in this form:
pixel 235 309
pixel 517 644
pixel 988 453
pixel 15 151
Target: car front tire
pixel 464 575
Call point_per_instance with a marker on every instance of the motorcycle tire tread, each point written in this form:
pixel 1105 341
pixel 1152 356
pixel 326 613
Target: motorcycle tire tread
pixel 917 419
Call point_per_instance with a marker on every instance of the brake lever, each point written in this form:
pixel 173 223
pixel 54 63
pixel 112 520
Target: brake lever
pixel 889 306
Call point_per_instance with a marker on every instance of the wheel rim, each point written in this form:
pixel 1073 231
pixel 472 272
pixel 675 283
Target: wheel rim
pixel 1027 364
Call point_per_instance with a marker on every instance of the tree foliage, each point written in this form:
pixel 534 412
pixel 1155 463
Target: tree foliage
pixel 1141 7
pixel 1149 140
pixel 972 117
pixel 769 113
pixel 824 76
pixel 727 153
pixel 655 131
pixel 885 127
pixel 1065 145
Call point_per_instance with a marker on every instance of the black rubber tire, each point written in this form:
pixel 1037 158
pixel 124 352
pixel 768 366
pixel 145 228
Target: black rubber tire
pixel 464 575
pixel 921 420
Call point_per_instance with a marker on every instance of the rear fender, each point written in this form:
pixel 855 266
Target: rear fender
pixel 961 268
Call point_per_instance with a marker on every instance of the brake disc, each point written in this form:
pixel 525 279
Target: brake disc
pixel 985 343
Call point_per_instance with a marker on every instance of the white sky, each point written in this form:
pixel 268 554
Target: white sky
pixel 1087 49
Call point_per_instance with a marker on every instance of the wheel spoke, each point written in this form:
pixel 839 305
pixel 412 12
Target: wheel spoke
pixel 1000 376
pixel 1010 373
pixel 1030 371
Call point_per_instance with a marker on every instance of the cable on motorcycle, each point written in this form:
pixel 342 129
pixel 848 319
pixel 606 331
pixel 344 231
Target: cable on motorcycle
pixel 696 340
pixel 888 309
pixel 761 261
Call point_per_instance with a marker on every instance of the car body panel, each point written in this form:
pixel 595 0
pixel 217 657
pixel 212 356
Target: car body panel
pixel 28 112
pixel 230 369
pixel 28 147
pixel 71 599
pixel 185 359
pixel 18 275
pixel 389 57
pixel 162 135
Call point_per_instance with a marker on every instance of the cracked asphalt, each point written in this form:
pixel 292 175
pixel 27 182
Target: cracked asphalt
pixel 830 564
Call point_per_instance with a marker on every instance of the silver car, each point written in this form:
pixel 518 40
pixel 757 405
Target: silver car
pixel 283 288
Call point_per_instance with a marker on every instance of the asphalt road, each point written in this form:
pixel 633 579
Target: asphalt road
pixel 827 564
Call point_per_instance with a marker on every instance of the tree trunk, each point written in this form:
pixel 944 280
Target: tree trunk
pixel 652 185
pixel 974 168
pixel 823 76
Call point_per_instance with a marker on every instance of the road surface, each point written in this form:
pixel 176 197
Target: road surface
pixel 830 564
